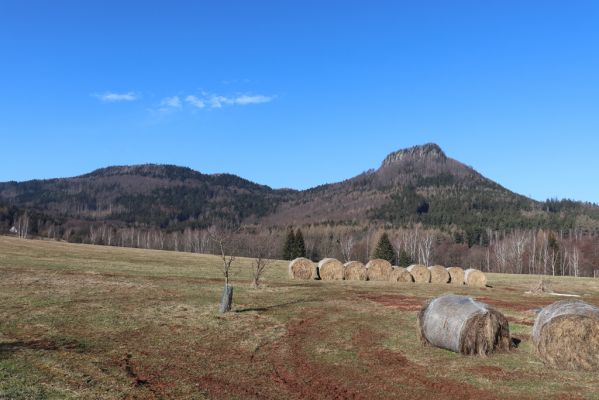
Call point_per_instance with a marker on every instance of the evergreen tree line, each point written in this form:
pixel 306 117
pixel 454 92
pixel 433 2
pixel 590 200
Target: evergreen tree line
pixel 294 246
pixel 385 250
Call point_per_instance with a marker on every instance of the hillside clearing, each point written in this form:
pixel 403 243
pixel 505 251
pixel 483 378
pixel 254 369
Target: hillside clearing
pixel 80 321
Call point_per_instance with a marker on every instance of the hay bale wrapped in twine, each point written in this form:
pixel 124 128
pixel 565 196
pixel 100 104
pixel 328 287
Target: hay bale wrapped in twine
pixel 463 325
pixel 302 268
pixel 379 270
pixel 439 274
pixel 355 271
pixel 456 275
pixel 420 273
pixel 566 335
pixel 400 274
pixel 475 278
pixel 330 269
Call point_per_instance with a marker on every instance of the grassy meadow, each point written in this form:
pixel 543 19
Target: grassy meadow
pixel 93 322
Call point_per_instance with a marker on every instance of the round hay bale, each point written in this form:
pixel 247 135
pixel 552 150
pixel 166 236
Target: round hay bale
pixel 439 274
pixel 566 335
pixel 456 275
pixel 355 271
pixel 302 268
pixel 330 269
pixel 475 278
pixel 463 325
pixel 400 274
pixel 379 270
pixel 420 273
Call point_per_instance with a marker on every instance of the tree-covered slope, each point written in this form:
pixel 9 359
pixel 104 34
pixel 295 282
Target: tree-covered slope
pixel 419 185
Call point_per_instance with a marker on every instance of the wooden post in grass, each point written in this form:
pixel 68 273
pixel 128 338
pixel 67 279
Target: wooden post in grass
pixel 226 300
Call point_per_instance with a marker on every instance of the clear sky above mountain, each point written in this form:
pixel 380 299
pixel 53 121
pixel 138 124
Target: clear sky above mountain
pixel 299 93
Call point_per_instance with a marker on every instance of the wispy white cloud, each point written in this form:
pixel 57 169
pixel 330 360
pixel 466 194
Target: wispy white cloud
pixel 203 100
pixel 245 99
pixel 173 102
pixel 112 97
pixel 195 101
pixel 242 100
pixel 218 101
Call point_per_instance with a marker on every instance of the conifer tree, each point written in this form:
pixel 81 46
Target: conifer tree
pixel 300 246
pixel 404 259
pixel 289 246
pixel 384 249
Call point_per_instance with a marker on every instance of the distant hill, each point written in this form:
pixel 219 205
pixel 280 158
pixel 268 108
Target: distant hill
pixel 416 185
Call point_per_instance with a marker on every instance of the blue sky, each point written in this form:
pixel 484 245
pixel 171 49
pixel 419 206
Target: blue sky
pixel 300 93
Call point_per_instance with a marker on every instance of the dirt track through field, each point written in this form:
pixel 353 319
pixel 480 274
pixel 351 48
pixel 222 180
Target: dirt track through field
pixel 107 323
pixel 294 375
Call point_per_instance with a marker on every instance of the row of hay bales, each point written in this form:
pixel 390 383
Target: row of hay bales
pixel 565 334
pixel 382 270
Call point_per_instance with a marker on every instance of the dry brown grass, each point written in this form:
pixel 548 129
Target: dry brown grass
pixel 400 274
pixel 379 270
pixel 439 274
pixel 463 325
pixel 456 275
pixel 80 321
pixel 355 271
pixel 420 273
pixel 330 269
pixel 566 335
pixel 475 278
pixel 302 268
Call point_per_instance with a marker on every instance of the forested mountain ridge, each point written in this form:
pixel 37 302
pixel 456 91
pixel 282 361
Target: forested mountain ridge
pixel 160 195
pixel 419 185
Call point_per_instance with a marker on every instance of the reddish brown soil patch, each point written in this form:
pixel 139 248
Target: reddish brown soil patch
pixel 523 305
pixel 494 373
pixel 392 369
pixel 301 378
pixel 219 387
pixel 288 367
pixel 404 303
pixel 295 374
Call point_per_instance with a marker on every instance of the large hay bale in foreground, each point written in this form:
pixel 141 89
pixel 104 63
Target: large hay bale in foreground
pixel 379 270
pixel 355 271
pixel 439 274
pixel 400 274
pixel 330 269
pixel 302 268
pixel 420 273
pixel 566 335
pixel 463 325
pixel 475 278
pixel 456 275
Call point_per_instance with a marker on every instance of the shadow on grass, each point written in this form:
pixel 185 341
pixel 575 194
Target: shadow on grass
pixel 272 307
pixel 40 344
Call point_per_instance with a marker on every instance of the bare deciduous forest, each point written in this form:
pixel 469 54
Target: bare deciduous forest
pixel 436 210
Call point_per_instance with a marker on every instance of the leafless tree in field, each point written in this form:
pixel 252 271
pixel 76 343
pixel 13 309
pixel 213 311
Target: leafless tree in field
pixel 93 234
pixel 574 260
pixel 501 252
pixel 204 242
pixel 223 237
pixel 426 248
pixel 398 243
pixel 346 242
pixel 261 248
pixel 22 225
pixel 518 242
